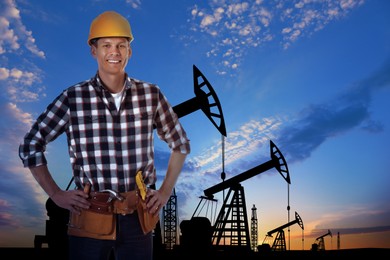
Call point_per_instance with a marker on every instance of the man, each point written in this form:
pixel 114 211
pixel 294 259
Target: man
pixel 109 121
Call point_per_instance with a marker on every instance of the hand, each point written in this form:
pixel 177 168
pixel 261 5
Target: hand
pixel 73 200
pixel 155 201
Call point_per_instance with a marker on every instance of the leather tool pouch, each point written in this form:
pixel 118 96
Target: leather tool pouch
pixel 128 205
pixel 133 202
pixel 148 221
pixel 97 222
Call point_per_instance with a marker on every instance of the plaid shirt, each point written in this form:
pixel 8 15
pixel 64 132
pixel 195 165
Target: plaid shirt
pixel 106 146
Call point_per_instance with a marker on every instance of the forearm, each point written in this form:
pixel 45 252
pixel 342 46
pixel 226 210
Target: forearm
pixel 45 180
pixel 73 200
pixel 175 165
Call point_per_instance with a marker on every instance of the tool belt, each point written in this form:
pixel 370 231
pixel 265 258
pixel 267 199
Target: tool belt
pixel 99 221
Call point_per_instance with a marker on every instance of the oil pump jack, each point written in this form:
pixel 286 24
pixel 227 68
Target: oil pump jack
pixel 280 241
pixel 319 243
pixel 207 100
pixel 231 225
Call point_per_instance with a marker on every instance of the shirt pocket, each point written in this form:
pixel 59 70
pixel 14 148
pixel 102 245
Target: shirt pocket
pixel 90 119
pixel 140 121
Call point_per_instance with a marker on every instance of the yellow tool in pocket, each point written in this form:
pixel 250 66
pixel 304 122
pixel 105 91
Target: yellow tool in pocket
pixel 141 185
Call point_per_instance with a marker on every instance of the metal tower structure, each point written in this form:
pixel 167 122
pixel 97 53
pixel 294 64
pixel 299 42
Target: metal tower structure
pixel 232 221
pixel 254 231
pixel 170 222
pixel 338 240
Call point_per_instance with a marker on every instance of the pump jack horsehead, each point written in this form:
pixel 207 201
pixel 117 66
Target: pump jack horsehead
pixel 205 99
pixel 201 101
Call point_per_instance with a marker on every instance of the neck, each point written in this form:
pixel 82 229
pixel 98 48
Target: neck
pixel 113 83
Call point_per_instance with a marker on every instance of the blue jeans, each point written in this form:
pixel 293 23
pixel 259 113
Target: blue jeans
pixel 130 244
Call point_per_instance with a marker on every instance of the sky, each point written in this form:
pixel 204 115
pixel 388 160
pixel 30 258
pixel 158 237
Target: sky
pixel 312 76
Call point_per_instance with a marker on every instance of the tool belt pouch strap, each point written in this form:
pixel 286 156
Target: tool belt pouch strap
pixel 97 222
pixel 148 221
pixel 128 205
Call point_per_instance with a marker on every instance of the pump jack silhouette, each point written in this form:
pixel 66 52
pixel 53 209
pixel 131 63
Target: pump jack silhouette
pixel 280 240
pixel 232 222
pixel 319 243
pixel 207 100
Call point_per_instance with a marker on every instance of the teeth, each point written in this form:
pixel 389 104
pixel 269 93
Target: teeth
pixel 113 61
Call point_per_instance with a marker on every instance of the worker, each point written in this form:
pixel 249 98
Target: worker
pixel 109 121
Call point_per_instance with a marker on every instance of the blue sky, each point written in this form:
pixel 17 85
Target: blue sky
pixel 312 76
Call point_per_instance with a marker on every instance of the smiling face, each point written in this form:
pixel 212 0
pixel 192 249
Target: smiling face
pixel 112 55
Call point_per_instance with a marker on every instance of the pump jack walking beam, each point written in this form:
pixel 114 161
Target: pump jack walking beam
pixel 277 161
pixel 201 101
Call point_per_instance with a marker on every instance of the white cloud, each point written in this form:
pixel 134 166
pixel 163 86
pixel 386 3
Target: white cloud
pixel 13 33
pixel 238 144
pixel 18 82
pixel 19 115
pixel 136 4
pixel 238 26
pixel 4 73
pixel 7 36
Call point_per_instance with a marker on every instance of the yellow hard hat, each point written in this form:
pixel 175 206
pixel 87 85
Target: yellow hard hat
pixel 110 24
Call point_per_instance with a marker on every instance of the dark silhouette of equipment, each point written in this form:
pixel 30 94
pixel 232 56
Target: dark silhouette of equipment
pixel 277 161
pixel 170 222
pixel 56 230
pixel 231 226
pixel 280 240
pixel 319 244
pixel 56 236
pixel 197 236
pixel 338 240
pixel 254 231
pixel 207 100
pixel 236 228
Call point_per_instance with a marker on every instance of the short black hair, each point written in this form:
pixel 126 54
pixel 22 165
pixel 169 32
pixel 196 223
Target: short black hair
pixel 93 41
